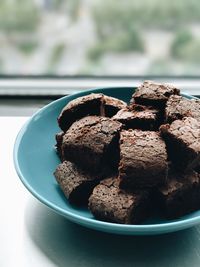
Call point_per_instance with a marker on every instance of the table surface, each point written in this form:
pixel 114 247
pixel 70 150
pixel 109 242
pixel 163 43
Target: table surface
pixel 33 235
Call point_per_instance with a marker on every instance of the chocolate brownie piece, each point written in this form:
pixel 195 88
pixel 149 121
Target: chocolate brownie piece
pixel 197 169
pixel 92 104
pixel 109 203
pixel 112 105
pixel 178 107
pixel 76 184
pixel 80 107
pixel 154 94
pixel 180 195
pixel 58 146
pixel 183 142
pixel 139 117
pixel 92 143
pixel 143 159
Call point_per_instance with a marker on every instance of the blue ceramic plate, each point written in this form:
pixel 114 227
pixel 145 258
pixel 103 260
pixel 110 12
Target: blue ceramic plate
pixel 35 161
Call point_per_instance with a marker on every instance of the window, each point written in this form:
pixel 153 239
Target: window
pixel 99 37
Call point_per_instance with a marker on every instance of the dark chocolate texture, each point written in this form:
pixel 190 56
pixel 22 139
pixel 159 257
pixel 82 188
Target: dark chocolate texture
pixel 183 142
pixel 178 107
pixel 92 143
pixel 143 159
pixel 76 184
pixel 154 94
pixel 139 117
pixel 109 203
pixel 92 104
pixel 180 195
pixel 58 146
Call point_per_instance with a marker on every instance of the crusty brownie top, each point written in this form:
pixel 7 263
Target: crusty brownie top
pixel 178 107
pixel 136 111
pixel 139 148
pixel 68 173
pixel 67 170
pixel 108 100
pixel 82 100
pixel 187 130
pixel 92 131
pixel 109 189
pixel 155 91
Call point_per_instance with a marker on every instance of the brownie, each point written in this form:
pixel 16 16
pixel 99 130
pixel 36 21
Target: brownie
pixel 92 104
pixel 154 94
pixel 109 203
pixel 76 184
pixel 76 109
pixel 139 117
pixel 58 146
pixel 112 105
pixel 183 142
pixel 178 107
pixel 143 159
pixel 197 168
pixel 92 143
pixel 180 195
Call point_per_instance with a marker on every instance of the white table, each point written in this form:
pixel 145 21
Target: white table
pixel 33 236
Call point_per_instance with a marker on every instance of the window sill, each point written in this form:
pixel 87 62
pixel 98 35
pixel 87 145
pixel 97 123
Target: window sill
pixel 52 87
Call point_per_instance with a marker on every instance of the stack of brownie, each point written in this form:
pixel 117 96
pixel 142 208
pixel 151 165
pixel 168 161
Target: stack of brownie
pixel 126 160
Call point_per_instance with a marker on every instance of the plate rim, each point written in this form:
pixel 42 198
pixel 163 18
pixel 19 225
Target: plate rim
pixel 92 222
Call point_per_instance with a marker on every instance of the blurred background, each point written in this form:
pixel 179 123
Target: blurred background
pixel 100 37
pixel 51 48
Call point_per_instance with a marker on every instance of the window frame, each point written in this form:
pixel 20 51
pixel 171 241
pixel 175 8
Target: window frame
pixel 54 86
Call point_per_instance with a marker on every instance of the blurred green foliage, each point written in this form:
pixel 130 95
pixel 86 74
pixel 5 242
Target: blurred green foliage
pixel 115 30
pixel 27 46
pixel 73 8
pixel 121 24
pixel 1 65
pixel 186 47
pixel 181 40
pixel 70 7
pixel 160 66
pixel 168 14
pixel 55 56
pixel 18 16
pixel 57 4
pixel 120 43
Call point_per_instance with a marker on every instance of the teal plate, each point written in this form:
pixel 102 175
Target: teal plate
pixel 35 160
